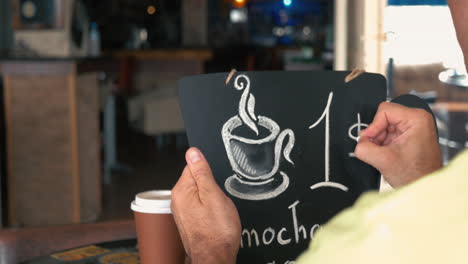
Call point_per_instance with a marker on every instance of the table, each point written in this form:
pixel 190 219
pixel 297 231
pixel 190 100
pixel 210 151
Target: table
pixel 115 252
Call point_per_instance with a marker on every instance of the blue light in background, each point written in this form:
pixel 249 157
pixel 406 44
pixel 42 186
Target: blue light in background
pixel 417 2
pixel 287 2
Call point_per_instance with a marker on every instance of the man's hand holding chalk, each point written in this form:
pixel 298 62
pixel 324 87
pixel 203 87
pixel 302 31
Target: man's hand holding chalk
pixel 401 143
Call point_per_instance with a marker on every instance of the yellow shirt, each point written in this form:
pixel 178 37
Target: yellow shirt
pixel 424 222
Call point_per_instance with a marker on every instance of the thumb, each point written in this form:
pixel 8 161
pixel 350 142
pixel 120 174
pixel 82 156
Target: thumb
pixel 201 172
pixel 379 157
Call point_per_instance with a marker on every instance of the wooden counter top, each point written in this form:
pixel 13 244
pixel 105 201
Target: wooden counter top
pixel 165 54
pixel 153 54
pixel 451 106
pixel 52 59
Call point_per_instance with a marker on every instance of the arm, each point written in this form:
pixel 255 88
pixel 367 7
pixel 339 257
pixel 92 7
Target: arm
pixel 459 9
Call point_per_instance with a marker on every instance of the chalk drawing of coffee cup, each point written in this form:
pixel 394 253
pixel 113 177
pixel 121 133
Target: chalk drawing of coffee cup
pixel 256 160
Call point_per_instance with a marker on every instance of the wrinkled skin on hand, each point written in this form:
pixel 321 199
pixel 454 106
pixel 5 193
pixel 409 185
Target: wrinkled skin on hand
pixel 208 221
pixel 401 143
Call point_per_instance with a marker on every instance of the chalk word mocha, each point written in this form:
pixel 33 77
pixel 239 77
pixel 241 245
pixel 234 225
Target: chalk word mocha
pixel 252 238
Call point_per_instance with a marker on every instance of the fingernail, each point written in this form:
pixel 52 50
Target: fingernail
pixel 193 156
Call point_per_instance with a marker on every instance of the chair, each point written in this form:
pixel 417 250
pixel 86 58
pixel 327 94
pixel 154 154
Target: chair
pixel 17 245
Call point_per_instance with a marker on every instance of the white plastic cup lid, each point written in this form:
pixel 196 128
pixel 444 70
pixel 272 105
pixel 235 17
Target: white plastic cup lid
pixel 153 202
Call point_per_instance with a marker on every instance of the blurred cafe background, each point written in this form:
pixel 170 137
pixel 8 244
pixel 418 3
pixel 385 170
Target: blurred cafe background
pixel 88 91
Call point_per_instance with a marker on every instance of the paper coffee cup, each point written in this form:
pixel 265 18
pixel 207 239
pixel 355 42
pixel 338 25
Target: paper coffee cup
pixel 157 234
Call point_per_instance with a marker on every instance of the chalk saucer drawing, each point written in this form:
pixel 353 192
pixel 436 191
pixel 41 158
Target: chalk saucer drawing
pixel 326 115
pixel 255 161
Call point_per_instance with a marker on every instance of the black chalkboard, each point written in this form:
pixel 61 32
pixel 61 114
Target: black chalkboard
pixel 281 146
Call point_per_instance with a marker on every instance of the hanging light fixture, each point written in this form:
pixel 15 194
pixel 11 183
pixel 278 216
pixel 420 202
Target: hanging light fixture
pixel 239 3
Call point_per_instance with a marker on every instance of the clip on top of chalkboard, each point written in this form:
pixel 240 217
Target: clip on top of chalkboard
pixel 233 71
pixel 353 75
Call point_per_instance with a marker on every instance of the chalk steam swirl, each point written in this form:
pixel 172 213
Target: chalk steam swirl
pixel 246 103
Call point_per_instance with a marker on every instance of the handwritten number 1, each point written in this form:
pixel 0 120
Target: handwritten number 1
pixel 327 182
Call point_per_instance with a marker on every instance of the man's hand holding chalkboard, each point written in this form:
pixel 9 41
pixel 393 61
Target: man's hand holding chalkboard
pixel 207 220
pixel 401 143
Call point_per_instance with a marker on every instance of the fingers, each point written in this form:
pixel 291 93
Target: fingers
pixel 387 136
pixel 184 190
pixel 377 156
pixel 186 184
pixel 379 139
pixel 201 173
pixel 378 125
pixel 387 118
